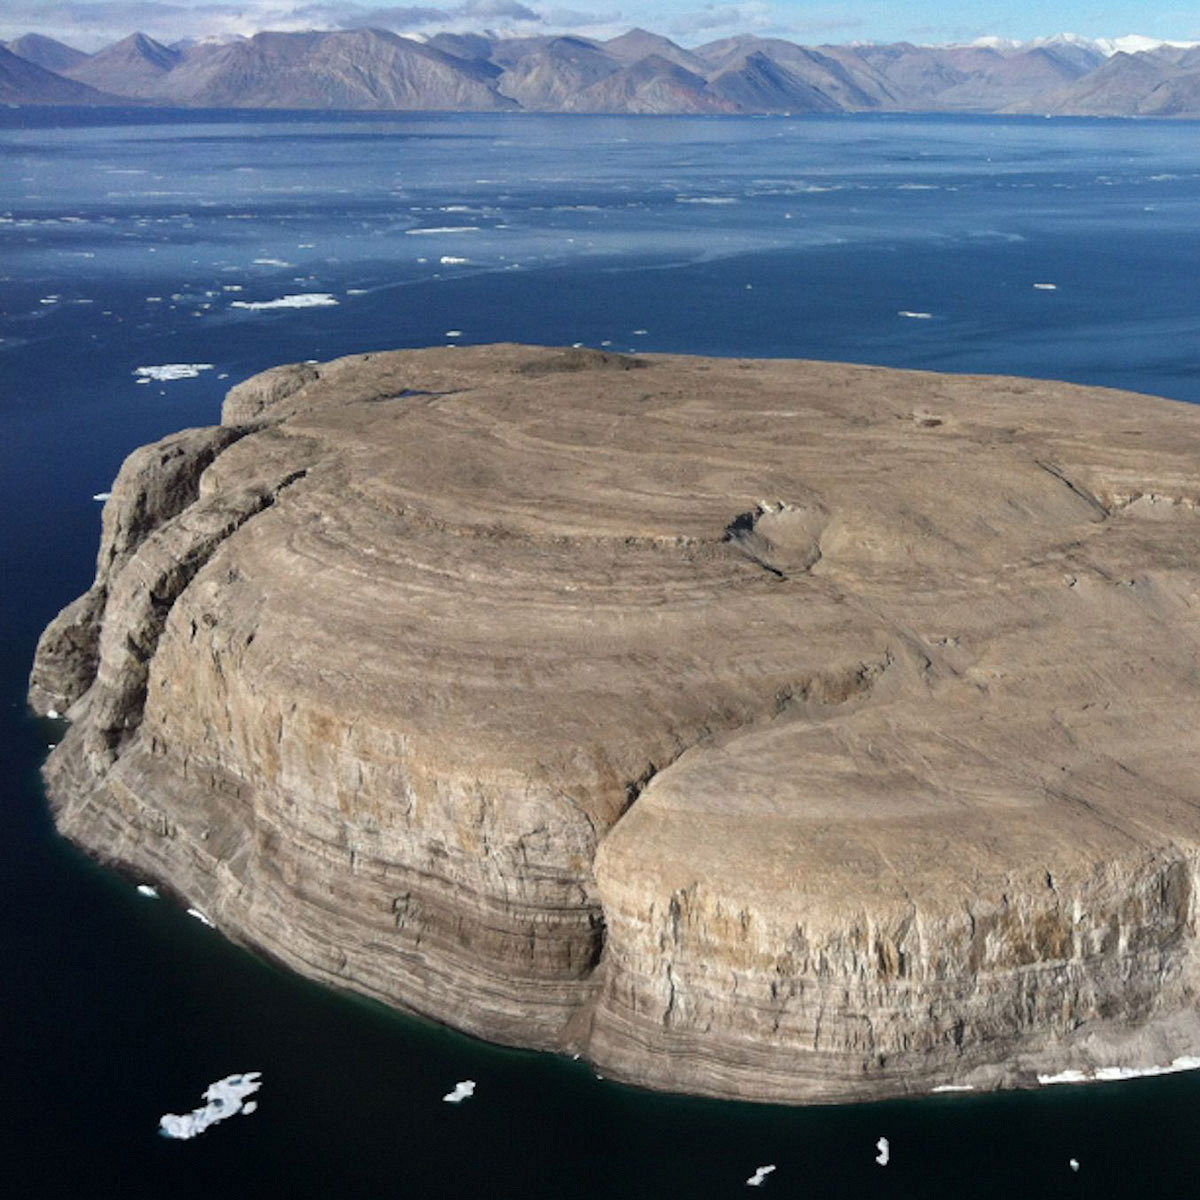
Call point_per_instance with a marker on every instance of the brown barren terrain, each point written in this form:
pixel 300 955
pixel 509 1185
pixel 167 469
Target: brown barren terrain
pixel 783 730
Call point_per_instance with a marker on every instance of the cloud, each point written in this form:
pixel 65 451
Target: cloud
pixel 573 18
pixel 394 17
pixel 108 12
pixel 752 16
pixel 490 10
pixel 759 17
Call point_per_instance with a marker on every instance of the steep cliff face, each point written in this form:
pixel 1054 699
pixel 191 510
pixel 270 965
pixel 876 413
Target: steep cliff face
pixel 782 730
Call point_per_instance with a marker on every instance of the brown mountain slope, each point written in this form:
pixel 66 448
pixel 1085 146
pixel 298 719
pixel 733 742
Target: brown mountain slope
pixel 23 82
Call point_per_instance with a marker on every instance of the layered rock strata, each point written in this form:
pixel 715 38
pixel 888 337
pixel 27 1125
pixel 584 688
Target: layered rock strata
pixel 783 730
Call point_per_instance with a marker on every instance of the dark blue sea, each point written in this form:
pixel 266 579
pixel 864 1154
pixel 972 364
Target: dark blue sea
pixel 1058 248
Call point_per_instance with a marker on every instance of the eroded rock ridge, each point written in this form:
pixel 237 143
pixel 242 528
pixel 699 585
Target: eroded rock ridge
pixel 785 730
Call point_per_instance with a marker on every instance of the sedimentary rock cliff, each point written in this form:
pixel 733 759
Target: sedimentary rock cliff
pixel 772 729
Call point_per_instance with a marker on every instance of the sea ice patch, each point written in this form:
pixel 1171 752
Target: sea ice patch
pixel 760 1174
pixel 1046 287
pixel 169 371
pixel 300 300
pixel 452 260
pixel 223 1099
pixel 914 316
pixel 463 1090
pixel 147 890
pixel 1187 1062
pixel 885 1152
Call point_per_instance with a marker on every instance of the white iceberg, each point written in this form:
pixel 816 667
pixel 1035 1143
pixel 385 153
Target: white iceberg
pixel 760 1173
pixel 52 713
pixel 272 262
pixel 300 300
pixel 1073 1163
pixel 1046 287
pixel 145 889
pixel 452 260
pixel 169 371
pixel 204 920
pixel 885 1152
pixel 915 316
pixel 446 229
pixel 223 1099
pixel 464 1089
pixel 953 1087
pixel 101 495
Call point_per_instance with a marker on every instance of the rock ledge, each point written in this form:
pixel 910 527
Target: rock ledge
pixel 781 730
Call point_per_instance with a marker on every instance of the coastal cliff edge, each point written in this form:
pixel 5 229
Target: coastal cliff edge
pixel 778 730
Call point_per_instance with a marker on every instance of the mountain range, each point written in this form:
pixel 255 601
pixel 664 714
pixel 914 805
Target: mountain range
pixel 638 72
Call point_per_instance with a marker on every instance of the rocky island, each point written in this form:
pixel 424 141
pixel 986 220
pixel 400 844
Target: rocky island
pixel 780 730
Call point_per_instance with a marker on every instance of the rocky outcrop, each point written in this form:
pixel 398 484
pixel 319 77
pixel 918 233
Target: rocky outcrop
pixel 781 730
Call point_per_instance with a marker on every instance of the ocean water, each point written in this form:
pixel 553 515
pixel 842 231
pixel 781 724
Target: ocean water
pixel 149 240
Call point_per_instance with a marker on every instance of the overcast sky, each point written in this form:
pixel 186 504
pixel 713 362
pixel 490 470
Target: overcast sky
pixel 89 24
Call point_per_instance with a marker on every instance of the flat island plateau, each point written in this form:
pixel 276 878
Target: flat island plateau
pixel 779 730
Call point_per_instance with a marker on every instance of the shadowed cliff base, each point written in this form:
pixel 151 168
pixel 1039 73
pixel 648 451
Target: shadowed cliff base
pixel 781 730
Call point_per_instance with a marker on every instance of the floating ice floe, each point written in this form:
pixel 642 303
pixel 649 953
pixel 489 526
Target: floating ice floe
pixel 272 262
pixel 705 199
pixel 223 1099
pixel 463 1090
pixel 1046 287
pixel 169 371
pixel 760 1174
pixel 201 917
pixel 300 300
pixel 1187 1062
pixel 916 316
pixel 885 1152
pixel 144 889
pixel 454 333
pixel 452 260
pixel 52 713
pixel 1073 1163
pixel 445 229
pixel 640 332
pixel 953 1087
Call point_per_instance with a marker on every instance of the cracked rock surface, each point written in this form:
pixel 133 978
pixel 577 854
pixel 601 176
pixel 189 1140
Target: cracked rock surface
pixel 784 730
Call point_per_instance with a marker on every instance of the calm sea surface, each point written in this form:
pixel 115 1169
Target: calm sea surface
pixel 134 240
